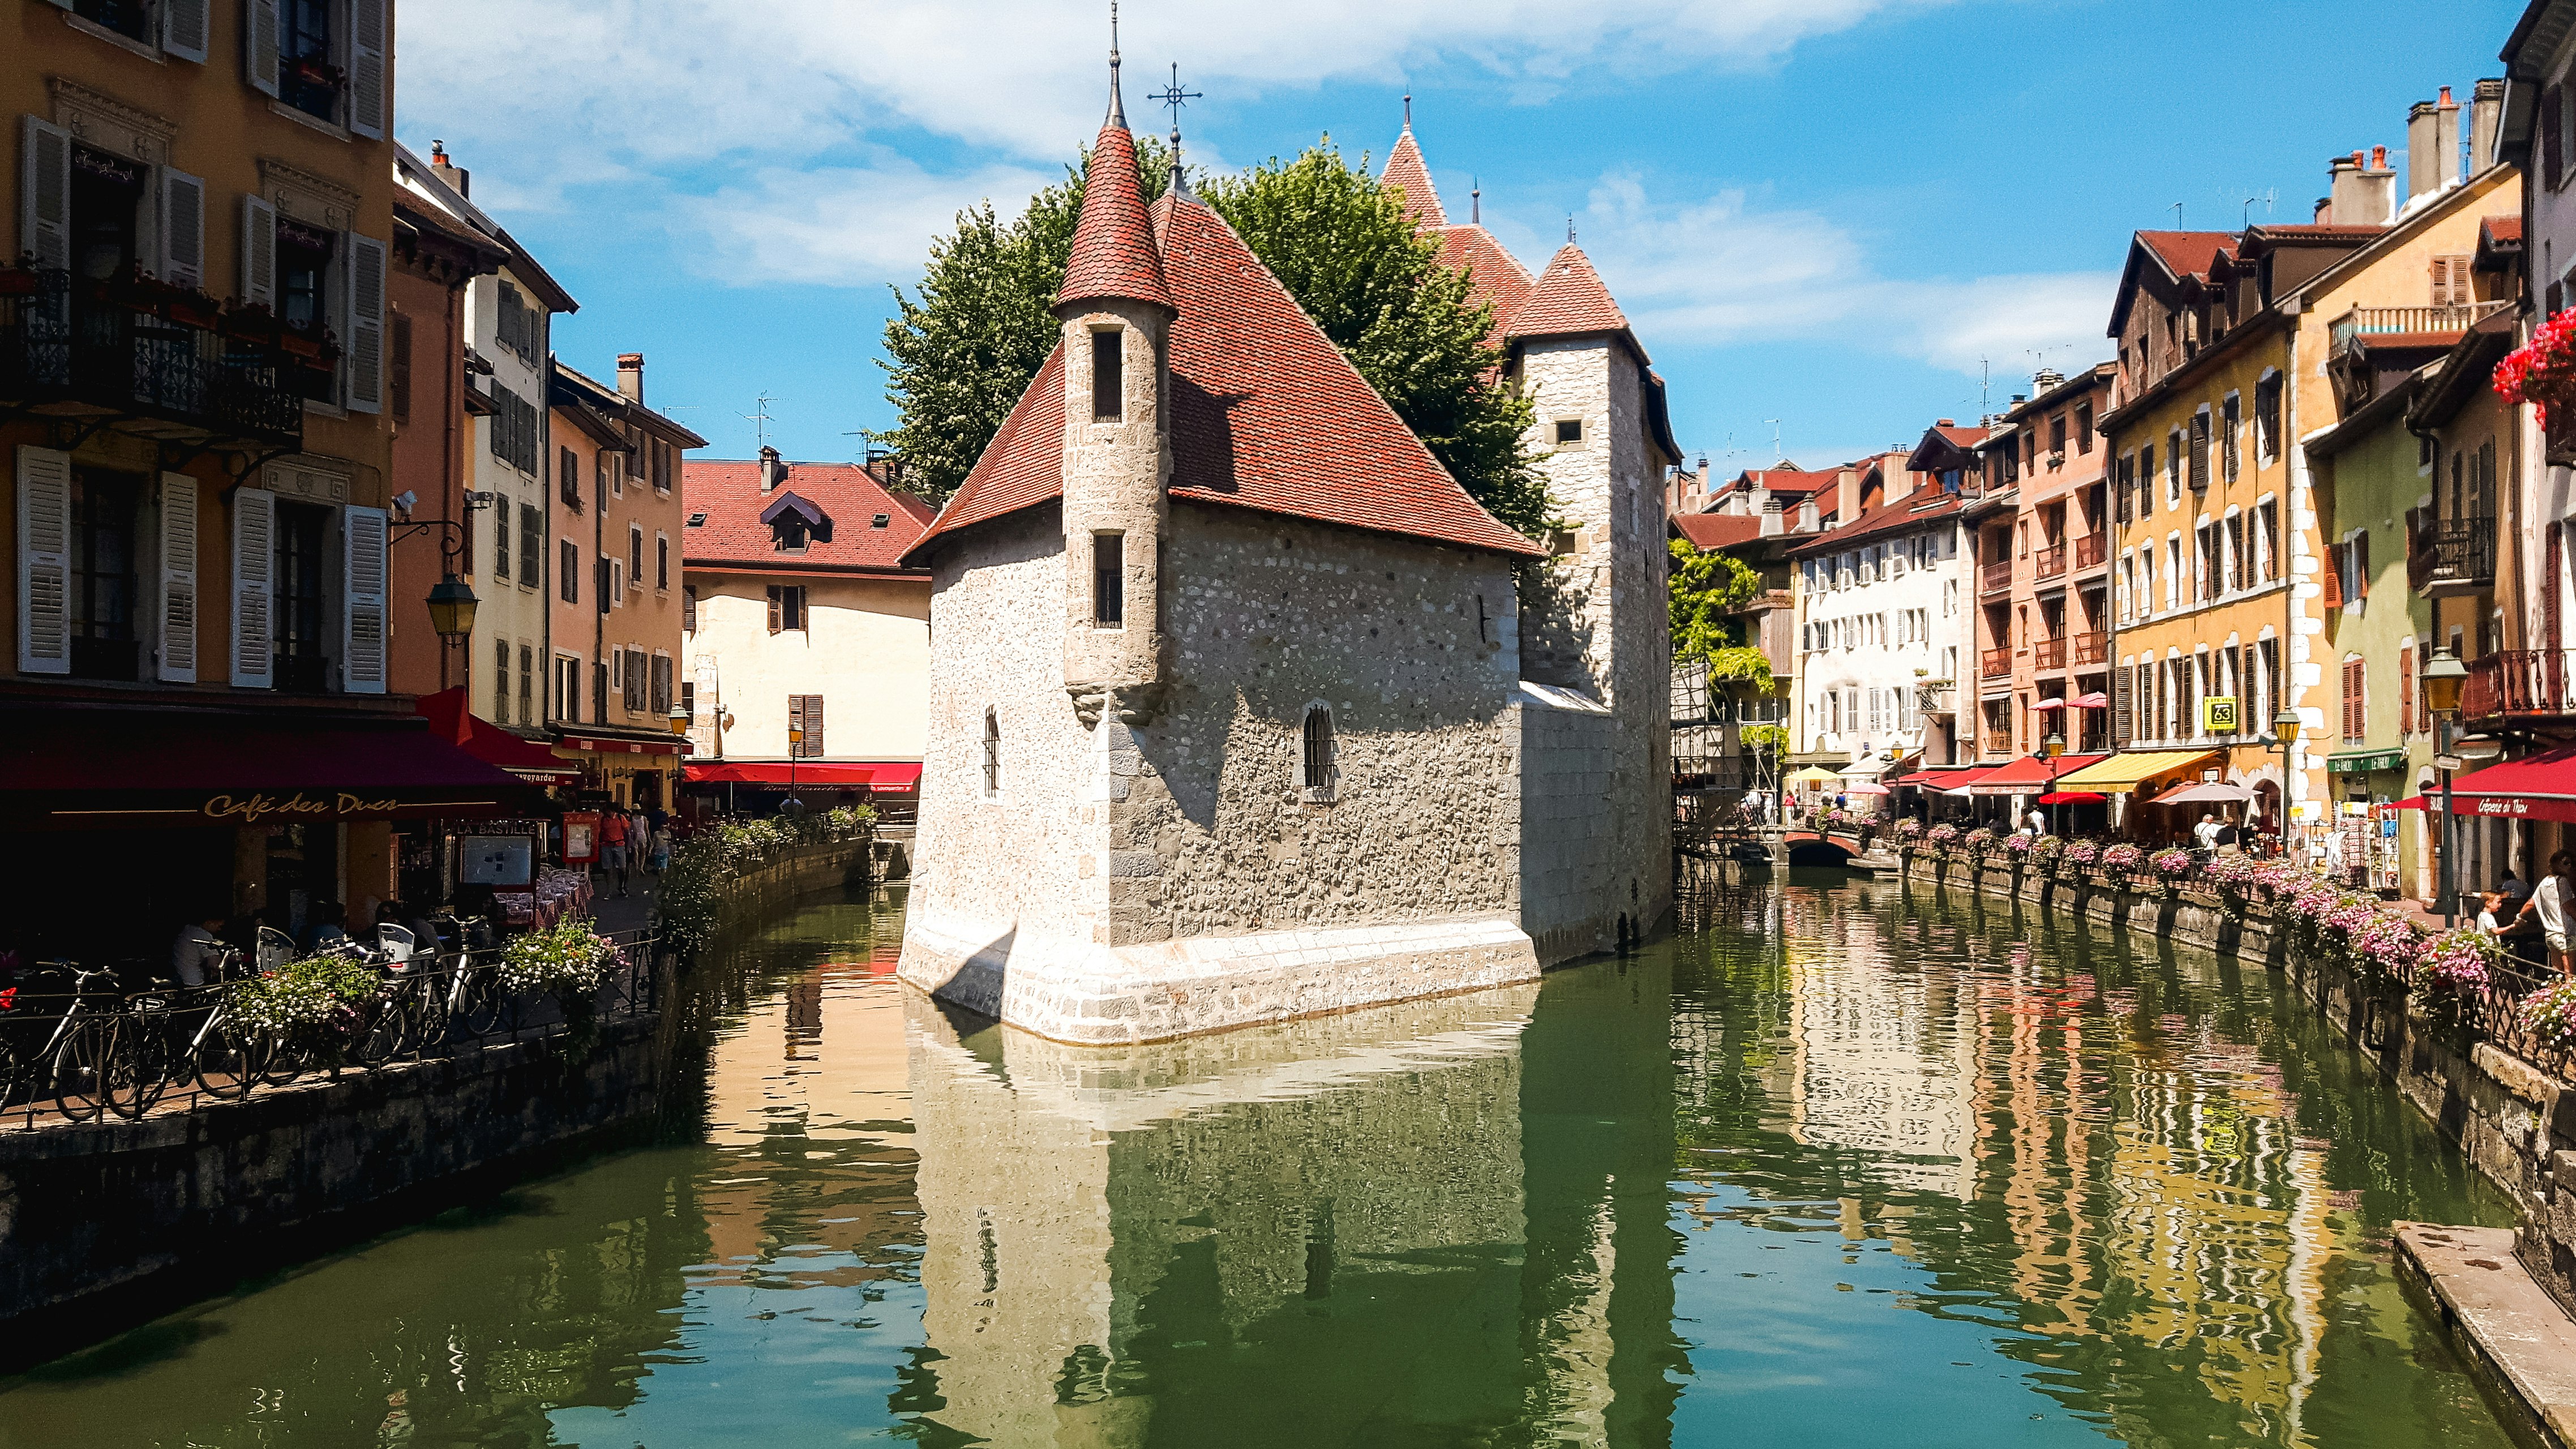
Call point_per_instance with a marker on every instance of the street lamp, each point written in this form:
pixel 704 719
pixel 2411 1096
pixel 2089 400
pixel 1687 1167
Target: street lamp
pixel 2285 736
pixel 451 608
pixel 2442 678
pixel 2050 749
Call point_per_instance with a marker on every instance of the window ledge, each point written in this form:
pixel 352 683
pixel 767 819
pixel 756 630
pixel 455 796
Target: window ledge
pixel 1315 795
pixel 149 52
pixel 332 129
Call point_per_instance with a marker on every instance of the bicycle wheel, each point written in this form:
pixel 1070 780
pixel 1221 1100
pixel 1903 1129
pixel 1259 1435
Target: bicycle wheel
pixel 487 1007
pixel 137 1065
pixel 230 1060
pixel 80 1067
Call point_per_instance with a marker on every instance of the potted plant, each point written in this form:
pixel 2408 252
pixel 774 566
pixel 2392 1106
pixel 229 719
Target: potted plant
pixel 2079 857
pixel 1942 837
pixel 2542 371
pixel 2172 867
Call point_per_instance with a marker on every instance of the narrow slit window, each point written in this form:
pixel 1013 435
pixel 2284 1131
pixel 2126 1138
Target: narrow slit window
pixel 1108 376
pixel 992 755
pixel 1319 749
pixel 1108 580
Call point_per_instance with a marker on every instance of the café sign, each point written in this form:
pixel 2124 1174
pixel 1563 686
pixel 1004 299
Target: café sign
pixel 260 805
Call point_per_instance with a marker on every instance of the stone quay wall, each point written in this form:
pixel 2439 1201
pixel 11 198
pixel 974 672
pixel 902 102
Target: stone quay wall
pixel 2514 1120
pixel 754 897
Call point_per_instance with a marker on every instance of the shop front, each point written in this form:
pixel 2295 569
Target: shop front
pixel 121 826
pixel 632 769
pixel 892 788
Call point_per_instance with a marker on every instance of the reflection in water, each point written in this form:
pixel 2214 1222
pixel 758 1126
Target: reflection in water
pixel 1840 1163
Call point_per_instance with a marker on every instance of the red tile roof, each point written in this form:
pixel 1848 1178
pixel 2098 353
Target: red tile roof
pixel 1569 300
pixel 728 493
pixel 1494 275
pixel 2188 253
pixel 1405 171
pixel 1266 413
pixel 1113 245
pixel 1927 504
pixel 1718 530
pixel 2503 228
pixel 1785 480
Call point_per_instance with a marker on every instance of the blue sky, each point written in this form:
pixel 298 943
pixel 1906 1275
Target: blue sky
pixel 1825 212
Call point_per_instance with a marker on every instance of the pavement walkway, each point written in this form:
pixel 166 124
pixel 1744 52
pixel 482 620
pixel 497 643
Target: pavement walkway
pixel 631 912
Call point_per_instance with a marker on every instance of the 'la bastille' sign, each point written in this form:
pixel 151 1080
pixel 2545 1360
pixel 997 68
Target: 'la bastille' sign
pixel 259 805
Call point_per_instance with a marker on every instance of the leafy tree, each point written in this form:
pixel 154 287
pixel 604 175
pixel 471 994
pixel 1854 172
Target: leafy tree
pixel 983 322
pixel 1706 589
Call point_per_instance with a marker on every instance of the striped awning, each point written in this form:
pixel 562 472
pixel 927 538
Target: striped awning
pixel 2122 774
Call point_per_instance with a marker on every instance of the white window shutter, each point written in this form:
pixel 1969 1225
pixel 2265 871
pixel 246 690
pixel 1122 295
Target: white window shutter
pixel 258 253
pixel 178 579
pixel 367 68
pixel 362 642
pixel 45 194
pixel 184 25
pixel 44 561
pixel 366 317
pixel 259 45
pixel 254 538
pixel 183 229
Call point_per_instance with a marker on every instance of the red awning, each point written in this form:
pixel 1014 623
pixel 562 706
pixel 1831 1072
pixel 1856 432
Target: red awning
pixel 452 720
pixel 2540 787
pixel 882 776
pixel 91 769
pixel 1945 777
pixel 574 739
pixel 2045 705
pixel 2028 775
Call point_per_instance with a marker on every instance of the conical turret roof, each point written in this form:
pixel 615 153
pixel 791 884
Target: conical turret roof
pixel 1113 246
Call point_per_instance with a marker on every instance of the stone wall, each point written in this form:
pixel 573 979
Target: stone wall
pixel 2516 1122
pixel 104 1224
pixel 754 897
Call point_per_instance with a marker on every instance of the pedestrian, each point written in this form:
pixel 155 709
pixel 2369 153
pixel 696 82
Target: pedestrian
pixel 612 845
pixel 2554 904
pixel 2226 839
pixel 2205 834
pixel 196 957
pixel 2489 903
pixel 2513 890
pixel 2037 822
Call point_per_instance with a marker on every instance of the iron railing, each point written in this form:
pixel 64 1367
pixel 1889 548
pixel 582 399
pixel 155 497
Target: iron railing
pixel 2515 682
pixel 90 1049
pixel 2092 550
pixel 2464 552
pixel 2049 562
pixel 2048 653
pixel 78 343
pixel 1995 664
pixel 2093 648
pixel 1995 578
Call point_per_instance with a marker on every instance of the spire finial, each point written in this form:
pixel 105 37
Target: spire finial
pixel 1408 110
pixel 1117 108
pixel 1569 228
pixel 1475 202
pixel 1172 97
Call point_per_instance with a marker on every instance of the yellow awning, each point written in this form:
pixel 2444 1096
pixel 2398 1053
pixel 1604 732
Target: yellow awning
pixel 1814 775
pixel 2121 774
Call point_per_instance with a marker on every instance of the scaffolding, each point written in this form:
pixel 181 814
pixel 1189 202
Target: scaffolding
pixel 1712 770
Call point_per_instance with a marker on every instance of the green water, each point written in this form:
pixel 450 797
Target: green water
pixel 1835 1165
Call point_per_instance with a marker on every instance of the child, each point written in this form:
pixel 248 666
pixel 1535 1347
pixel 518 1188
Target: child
pixel 2489 902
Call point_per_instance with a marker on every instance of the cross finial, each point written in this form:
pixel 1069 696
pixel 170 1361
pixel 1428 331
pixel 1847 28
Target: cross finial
pixel 1569 228
pixel 1172 98
pixel 1117 108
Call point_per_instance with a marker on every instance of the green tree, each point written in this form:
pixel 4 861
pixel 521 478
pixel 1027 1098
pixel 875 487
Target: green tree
pixel 962 352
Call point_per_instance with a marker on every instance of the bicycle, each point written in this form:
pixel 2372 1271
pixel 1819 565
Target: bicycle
pixel 89 1075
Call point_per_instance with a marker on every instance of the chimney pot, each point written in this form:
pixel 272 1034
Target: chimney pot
pixel 630 377
pixel 2378 158
pixel 1946 423
pixel 2446 97
pixel 772 471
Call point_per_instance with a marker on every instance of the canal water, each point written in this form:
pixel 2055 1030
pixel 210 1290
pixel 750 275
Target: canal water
pixel 1840 1163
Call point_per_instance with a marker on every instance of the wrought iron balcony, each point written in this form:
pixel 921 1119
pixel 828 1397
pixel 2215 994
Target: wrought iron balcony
pixel 2519 683
pixel 2049 653
pixel 1995 664
pixel 63 342
pixel 2092 550
pixel 1995 578
pixel 2463 556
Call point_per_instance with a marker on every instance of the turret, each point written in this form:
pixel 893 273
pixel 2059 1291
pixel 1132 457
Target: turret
pixel 1117 317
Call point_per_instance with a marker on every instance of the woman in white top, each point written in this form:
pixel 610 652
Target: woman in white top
pixel 2555 903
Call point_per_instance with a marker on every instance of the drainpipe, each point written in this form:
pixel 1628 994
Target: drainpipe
pixel 2293 458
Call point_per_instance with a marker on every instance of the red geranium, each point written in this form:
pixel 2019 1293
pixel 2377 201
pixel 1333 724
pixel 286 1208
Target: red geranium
pixel 2542 370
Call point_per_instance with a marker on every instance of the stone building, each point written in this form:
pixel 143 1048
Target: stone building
pixel 1281 756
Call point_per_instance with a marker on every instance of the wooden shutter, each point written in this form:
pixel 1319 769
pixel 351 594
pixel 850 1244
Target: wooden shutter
pixel 259 45
pixel 773 609
pixel 44 561
pixel 635 695
pixel 184 25
pixel 2360 547
pixel 367 325
pixel 178 614
pixel 398 365
pixel 254 529
pixel 183 229
pixel 45 194
pixel 259 252
pixel 2332 578
pixel 813 726
pixel 362 640
pixel 367 68
pixel 2405 685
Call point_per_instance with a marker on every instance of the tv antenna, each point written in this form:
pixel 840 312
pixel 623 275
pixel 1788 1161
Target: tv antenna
pixel 1775 439
pixel 2177 208
pixel 760 419
pixel 2267 196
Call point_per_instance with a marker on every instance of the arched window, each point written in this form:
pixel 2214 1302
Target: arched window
pixel 1319 748
pixel 992 755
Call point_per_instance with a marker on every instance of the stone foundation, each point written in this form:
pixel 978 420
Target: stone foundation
pixel 1096 995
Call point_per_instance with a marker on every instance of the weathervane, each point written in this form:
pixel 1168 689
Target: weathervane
pixel 1172 98
pixel 1117 107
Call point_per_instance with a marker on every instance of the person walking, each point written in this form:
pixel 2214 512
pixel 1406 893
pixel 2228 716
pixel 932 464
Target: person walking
pixel 613 831
pixel 2205 834
pixel 2554 904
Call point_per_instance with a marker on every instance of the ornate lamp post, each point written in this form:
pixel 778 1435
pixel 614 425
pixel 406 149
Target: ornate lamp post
pixel 2442 678
pixel 2051 749
pixel 2285 735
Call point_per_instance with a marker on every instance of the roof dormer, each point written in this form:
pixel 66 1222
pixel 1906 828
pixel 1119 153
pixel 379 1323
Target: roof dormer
pixel 795 522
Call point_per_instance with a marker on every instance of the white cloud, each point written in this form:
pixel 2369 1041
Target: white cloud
pixel 1721 270
pixel 841 226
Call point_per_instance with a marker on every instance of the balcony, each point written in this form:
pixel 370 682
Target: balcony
pixel 2092 550
pixel 1995 664
pixel 2049 653
pixel 2519 684
pixel 2048 563
pixel 2092 650
pixel 2463 556
pixel 148 354
pixel 2362 323
pixel 1995 578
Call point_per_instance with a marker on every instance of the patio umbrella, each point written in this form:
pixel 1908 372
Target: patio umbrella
pixel 1814 775
pixel 2071 797
pixel 1866 787
pixel 2213 792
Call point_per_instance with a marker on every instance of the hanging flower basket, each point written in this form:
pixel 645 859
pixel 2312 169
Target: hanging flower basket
pixel 2543 370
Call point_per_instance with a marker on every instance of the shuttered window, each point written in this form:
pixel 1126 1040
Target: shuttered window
pixel 805 715
pixel 635 686
pixel 254 562
pixel 44 561
pixel 2451 282
pixel 532 545
pixel 178 612
pixel 2332 577
pixel 662 685
pixel 365 360
pixel 2356 714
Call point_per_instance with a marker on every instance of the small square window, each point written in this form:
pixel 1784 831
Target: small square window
pixel 1569 432
pixel 697 520
pixel 880 520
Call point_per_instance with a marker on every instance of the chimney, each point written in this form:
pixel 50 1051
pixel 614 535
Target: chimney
pixel 2432 145
pixel 2360 195
pixel 2486 117
pixel 458 179
pixel 2045 379
pixel 772 471
pixel 2325 210
pixel 1774 522
pixel 630 377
